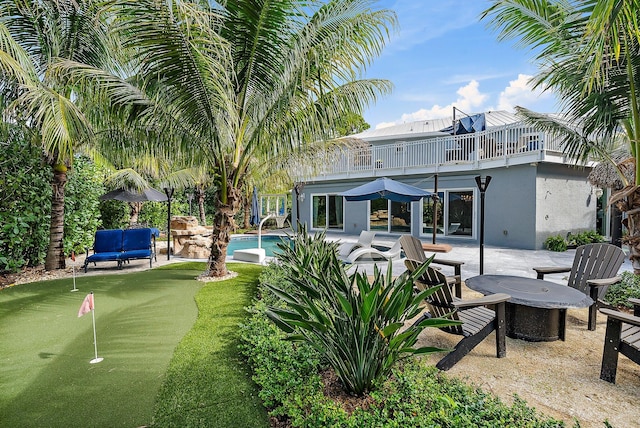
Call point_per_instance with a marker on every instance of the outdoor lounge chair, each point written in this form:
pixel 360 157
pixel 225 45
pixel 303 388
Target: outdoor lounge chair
pixel 594 269
pixel 622 337
pixel 412 248
pixel 364 241
pixel 477 320
pixel 374 254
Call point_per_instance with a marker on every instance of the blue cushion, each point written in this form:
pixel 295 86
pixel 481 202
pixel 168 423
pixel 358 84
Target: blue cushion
pixel 136 239
pixel 103 257
pixel 108 241
pixel 135 254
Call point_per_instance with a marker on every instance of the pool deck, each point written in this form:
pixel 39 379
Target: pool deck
pixel 497 260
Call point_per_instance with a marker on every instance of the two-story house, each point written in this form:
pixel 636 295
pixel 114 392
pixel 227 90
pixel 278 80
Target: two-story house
pixel 535 191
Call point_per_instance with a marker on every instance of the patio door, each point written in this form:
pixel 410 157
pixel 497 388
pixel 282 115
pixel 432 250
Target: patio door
pixel 389 216
pixel 455 214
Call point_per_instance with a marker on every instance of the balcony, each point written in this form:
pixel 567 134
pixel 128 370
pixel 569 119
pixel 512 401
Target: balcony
pixel 507 145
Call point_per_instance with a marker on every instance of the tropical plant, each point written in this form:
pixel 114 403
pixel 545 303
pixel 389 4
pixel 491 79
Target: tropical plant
pixel 34 35
pixel 25 193
pixel 356 324
pixel 555 243
pixel 241 80
pixel 587 52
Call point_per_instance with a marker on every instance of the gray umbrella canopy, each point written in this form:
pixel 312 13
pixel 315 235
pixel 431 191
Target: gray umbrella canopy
pixel 385 188
pixel 129 196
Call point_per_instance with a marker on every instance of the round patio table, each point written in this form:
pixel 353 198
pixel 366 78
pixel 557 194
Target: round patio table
pixel 537 310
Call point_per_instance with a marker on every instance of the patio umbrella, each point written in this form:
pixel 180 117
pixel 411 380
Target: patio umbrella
pixel 125 195
pixel 255 208
pixel 385 188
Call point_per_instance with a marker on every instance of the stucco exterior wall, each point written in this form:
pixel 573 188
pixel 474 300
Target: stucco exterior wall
pixel 524 204
pixel 566 201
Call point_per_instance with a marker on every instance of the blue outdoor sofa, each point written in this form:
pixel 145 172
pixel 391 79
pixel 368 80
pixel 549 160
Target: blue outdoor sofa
pixel 123 245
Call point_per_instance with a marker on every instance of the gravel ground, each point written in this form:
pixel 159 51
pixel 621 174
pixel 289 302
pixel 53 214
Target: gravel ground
pixel 560 379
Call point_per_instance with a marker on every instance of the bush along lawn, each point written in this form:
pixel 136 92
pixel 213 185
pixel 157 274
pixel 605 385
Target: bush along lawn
pixel 292 362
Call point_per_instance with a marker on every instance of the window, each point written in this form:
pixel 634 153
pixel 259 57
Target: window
pixel 390 216
pixel 455 213
pixel 427 214
pixel 460 219
pixel 327 212
pixel 400 217
pixel 379 215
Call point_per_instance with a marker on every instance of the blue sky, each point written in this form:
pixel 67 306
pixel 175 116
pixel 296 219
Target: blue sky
pixel 444 56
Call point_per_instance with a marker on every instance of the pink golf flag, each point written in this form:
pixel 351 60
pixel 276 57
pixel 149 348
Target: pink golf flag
pixel 87 305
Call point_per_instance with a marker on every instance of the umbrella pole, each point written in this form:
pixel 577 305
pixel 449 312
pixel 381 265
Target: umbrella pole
pixel 435 209
pixel 169 193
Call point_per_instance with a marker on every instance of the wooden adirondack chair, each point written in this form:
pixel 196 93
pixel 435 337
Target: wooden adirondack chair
pixel 412 248
pixel 594 269
pixel 622 337
pixel 478 321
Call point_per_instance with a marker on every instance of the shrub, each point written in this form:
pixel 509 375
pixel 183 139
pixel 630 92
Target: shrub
pixel 414 394
pixel 619 294
pixel 353 323
pixel 81 206
pixel 25 202
pixel 584 238
pixel 555 243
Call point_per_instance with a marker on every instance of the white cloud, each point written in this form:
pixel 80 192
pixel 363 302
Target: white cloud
pixel 520 93
pixel 469 99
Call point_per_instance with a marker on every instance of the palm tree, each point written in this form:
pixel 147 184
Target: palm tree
pixel 243 80
pixel 33 36
pixel 587 52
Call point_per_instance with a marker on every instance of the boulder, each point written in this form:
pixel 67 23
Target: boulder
pixel 197 248
pixel 183 222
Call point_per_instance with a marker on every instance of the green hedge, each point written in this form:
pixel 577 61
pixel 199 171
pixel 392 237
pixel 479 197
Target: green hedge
pixel 415 394
pixel 25 204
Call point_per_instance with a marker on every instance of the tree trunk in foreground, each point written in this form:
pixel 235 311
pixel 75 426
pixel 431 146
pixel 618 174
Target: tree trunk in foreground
pixel 628 201
pixel 223 225
pixel 55 253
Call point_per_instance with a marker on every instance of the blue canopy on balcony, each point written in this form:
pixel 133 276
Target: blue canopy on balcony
pixel 385 188
pixel 468 124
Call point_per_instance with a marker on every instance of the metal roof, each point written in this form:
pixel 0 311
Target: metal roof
pixel 431 127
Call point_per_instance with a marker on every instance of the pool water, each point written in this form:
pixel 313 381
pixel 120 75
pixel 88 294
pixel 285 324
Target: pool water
pixel 269 243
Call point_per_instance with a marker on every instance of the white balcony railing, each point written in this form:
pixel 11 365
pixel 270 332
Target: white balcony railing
pixel 498 143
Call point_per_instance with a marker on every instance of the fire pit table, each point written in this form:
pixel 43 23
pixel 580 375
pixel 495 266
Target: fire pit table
pixel 537 310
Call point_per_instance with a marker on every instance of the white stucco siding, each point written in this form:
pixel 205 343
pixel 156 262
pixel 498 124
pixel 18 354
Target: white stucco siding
pixel 564 200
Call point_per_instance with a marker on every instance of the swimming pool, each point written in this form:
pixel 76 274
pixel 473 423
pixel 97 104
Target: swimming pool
pixel 269 243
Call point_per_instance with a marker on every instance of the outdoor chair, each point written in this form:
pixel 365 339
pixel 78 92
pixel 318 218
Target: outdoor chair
pixel 374 254
pixel 478 321
pixel 594 269
pixel 364 241
pixel 622 337
pixel 412 248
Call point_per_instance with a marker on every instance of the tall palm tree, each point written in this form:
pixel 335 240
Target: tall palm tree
pixel 34 35
pixel 242 80
pixel 588 54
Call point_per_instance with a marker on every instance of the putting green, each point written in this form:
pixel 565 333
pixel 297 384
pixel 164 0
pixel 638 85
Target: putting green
pixel 45 375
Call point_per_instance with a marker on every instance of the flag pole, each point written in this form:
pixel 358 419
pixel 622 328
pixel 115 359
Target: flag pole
pixel 95 342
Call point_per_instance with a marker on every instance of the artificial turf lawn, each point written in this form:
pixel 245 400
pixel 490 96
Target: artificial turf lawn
pixel 45 375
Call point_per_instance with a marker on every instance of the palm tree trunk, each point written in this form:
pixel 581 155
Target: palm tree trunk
pixel 134 213
pixel 223 225
pixel 247 211
pixel 55 253
pixel 203 216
